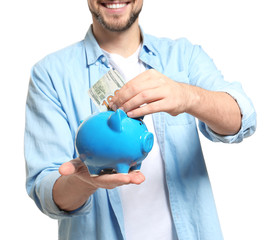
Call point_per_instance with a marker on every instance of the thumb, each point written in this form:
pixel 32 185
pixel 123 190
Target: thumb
pixel 67 168
pixel 71 167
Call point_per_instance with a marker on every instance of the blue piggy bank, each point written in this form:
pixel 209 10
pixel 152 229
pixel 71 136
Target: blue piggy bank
pixel 113 141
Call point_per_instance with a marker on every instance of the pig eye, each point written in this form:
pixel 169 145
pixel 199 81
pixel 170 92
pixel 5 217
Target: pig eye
pixel 141 123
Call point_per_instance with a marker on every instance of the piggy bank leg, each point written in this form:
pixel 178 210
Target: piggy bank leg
pixel 122 168
pixel 94 172
pixel 137 167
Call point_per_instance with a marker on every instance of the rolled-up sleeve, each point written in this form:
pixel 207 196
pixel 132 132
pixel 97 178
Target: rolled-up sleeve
pixel 248 125
pixel 203 73
pixel 48 142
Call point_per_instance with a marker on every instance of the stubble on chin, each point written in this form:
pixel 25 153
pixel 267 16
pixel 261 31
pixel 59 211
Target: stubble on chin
pixel 115 25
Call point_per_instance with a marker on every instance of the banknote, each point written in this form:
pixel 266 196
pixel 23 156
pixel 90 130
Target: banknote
pixel 105 88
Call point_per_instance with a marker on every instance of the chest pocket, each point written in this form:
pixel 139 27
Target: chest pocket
pixel 181 119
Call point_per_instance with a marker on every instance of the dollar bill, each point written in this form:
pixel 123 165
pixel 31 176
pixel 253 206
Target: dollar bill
pixel 105 88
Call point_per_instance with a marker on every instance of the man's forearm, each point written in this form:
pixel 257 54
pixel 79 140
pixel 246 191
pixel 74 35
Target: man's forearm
pixel 217 109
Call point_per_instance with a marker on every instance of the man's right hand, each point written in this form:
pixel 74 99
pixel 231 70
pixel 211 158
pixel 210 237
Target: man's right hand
pixel 75 185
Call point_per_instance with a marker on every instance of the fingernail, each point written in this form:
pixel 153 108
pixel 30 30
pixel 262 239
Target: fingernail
pixel 114 107
pixel 130 114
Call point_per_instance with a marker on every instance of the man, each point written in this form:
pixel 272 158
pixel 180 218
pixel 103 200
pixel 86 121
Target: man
pixel 170 83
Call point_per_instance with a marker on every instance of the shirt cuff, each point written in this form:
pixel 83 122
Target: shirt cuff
pixel 213 136
pixel 48 205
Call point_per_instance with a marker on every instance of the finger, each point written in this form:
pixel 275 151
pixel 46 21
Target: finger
pixel 110 181
pixel 147 96
pixel 137 177
pixel 132 88
pixel 71 167
pixel 66 169
pixel 157 106
pixel 127 92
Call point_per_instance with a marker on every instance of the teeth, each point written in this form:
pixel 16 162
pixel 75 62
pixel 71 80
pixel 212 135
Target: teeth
pixel 115 5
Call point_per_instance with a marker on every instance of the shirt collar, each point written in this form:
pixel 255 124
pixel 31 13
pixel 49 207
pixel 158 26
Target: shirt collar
pixel 147 43
pixel 92 48
pixel 94 52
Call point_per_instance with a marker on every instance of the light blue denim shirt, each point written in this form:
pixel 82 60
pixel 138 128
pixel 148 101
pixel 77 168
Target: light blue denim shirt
pixel 57 102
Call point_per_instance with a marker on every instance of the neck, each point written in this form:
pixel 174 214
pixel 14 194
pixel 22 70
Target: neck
pixel 123 43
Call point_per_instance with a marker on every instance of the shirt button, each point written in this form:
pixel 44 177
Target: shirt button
pixel 150 53
pixel 103 59
pixel 97 63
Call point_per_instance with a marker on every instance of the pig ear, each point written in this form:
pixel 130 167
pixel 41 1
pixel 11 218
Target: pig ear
pixel 115 120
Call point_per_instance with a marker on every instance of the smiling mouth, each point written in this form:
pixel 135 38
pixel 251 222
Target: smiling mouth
pixel 115 5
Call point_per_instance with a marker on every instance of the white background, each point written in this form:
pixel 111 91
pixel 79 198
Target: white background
pixel 238 34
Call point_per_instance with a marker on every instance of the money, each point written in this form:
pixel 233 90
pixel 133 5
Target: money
pixel 105 88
